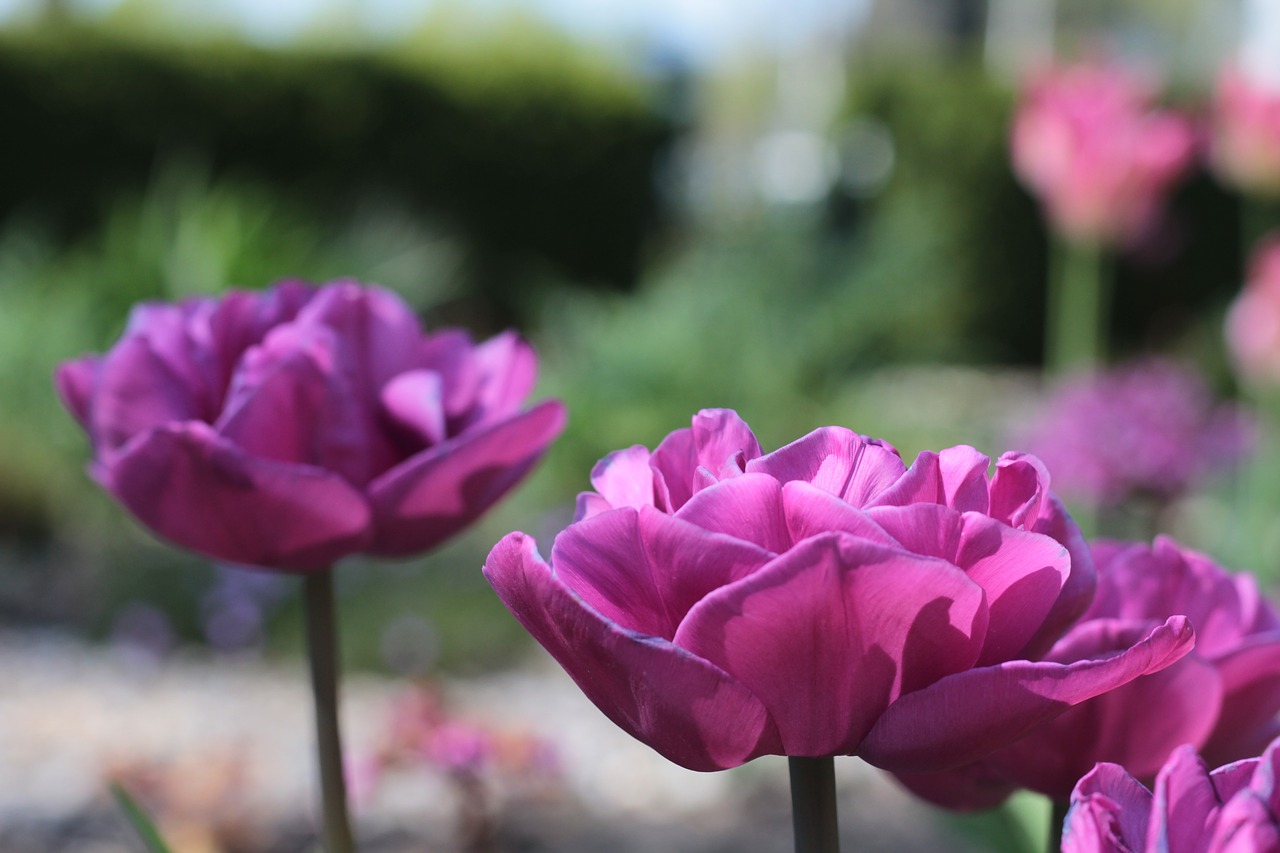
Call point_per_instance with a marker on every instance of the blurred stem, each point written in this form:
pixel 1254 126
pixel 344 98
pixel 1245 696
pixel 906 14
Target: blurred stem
pixel 813 804
pixel 1079 308
pixel 1056 822
pixel 322 645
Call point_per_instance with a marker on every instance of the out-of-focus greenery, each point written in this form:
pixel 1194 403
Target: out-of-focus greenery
pixel 534 157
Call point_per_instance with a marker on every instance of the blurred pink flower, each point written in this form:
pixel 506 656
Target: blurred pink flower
pixel 1245 148
pixel 1253 321
pixel 1088 142
pixel 292 427
pixel 1223 698
pixel 1194 810
pixel 720 603
pixel 1149 427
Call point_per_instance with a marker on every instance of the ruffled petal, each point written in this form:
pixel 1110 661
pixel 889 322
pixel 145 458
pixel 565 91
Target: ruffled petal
pixel 136 391
pixel 723 442
pixel 624 478
pixel 1251 685
pixel 203 493
pixel 831 632
pixel 508 369
pixel 380 336
pixel 684 707
pixel 748 507
pixel 811 511
pixel 1110 812
pixel 429 497
pixel 1186 804
pixel 74 381
pixel 1078 590
pixel 837 461
pixel 644 569
pixel 1022 573
pixel 969 715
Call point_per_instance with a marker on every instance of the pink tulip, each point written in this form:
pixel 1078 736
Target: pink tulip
pixel 1222 698
pixel 1087 141
pixel 290 428
pixel 1253 321
pixel 1245 149
pixel 1194 810
pixel 720 603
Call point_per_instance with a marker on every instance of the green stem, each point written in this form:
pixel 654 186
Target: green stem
pixel 1056 822
pixel 813 804
pixel 322 645
pixel 1078 309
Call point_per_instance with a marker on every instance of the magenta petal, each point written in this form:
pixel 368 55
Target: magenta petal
pixel 1019 487
pixel 644 570
pixel 1078 591
pixel 1186 803
pixel 379 334
pixel 811 511
pixel 674 461
pixel 74 381
pixel 1022 573
pixel 966 716
pixel 748 507
pixel 415 401
pixel 137 391
pixel 831 632
pixel 972 787
pixel 1251 681
pixel 837 461
pixel 431 496
pixel 964 478
pixel 723 442
pixel 203 493
pixel 684 707
pixel 508 370
pixel 1245 825
pixel 1110 812
pixel 624 478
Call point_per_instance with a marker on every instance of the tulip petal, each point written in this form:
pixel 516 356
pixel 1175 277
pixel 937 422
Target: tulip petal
pixel 684 707
pixel 723 442
pixel 380 337
pixel 831 632
pixel 748 507
pixel 1018 489
pixel 1110 812
pixel 201 492
pixel 1078 590
pixel 74 381
pixel 956 477
pixel 415 401
pixel 966 716
pixel 644 569
pixel 137 391
pixel 1022 573
pixel 508 369
pixel 432 495
pixel 811 511
pixel 1185 804
pixel 1251 681
pixel 624 478
pixel 837 461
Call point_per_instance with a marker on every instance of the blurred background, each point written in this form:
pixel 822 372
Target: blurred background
pixel 805 211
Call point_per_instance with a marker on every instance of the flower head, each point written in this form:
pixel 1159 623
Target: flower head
pixel 1245 147
pixel 1088 143
pixel 721 603
pixel 1253 321
pixel 293 427
pixel 1223 698
pixel 1230 809
pixel 1149 428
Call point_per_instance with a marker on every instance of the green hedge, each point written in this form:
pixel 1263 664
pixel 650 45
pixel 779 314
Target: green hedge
pixel 554 168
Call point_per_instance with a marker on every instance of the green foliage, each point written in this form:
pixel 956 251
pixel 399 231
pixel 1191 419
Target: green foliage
pixel 138 819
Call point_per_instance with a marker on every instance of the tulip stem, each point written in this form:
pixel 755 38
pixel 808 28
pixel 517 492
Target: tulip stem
pixel 1079 309
pixel 322 645
pixel 1056 821
pixel 813 804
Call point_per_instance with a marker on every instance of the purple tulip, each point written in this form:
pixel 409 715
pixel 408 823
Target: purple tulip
pixel 719 603
pixel 1222 698
pixel 1194 810
pixel 293 427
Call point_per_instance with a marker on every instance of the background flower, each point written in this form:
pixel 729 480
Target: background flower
pixel 1245 147
pixel 1222 698
pixel 1253 321
pixel 824 599
pixel 1146 429
pixel 296 426
pixel 1194 809
pixel 1087 141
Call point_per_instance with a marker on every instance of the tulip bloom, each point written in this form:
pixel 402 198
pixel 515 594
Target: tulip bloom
pixel 720 603
pixel 1222 698
pixel 1253 321
pixel 290 428
pixel 1245 149
pixel 1087 142
pixel 1194 810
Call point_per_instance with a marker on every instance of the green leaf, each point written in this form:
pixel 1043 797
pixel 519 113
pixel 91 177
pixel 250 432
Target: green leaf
pixel 141 823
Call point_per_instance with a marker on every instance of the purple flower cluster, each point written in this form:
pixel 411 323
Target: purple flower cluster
pixel 1148 428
